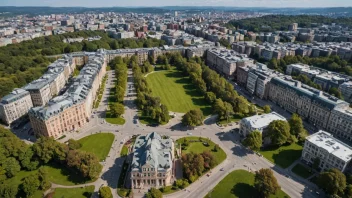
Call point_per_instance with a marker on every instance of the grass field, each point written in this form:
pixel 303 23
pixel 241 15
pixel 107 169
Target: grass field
pixel 85 192
pixel 235 118
pixel 117 121
pixel 17 181
pixel 58 174
pixel 177 92
pixel 238 183
pixel 302 171
pixel 198 147
pixel 99 144
pixel 283 156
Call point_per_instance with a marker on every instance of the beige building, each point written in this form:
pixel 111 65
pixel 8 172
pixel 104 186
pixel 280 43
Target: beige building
pixel 226 61
pixel 331 152
pixel 70 111
pixel 152 162
pixel 15 105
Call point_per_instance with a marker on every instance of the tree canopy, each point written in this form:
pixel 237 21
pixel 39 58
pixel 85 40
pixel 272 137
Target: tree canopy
pixel 332 182
pixel 193 118
pixel 265 182
pixel 279 132
pixel 253 140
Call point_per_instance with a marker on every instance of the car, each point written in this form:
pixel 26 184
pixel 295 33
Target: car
pixel 222 169
pixel 189 133
pixel 287 176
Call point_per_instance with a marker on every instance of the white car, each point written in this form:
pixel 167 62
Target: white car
pixel 189 133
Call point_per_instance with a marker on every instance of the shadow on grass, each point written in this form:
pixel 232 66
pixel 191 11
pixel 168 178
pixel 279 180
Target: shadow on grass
pixel 87 194
pixel 284 158
pixel 72 175
pixel 243 190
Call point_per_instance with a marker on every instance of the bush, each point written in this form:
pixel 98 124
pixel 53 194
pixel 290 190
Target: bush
pixel 105 192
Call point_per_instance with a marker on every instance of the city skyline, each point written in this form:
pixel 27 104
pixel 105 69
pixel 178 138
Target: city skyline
pixel 151 3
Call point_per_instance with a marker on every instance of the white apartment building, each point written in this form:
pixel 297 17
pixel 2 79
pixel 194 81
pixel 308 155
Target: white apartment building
pixel 331 152
pixel 258 122
pixel 15 105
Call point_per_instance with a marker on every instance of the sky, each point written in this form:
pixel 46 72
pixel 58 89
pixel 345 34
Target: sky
pixel 151 3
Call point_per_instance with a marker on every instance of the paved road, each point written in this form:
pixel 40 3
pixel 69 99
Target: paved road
pixel 238 157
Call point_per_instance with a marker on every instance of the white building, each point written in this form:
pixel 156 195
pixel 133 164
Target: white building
pixel 15 105
pixel 331 152
pixel 258 122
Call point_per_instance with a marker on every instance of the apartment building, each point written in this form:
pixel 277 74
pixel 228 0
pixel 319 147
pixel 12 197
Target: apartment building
pixel 331 152
pixel 346 91
pixel 72 110
pixel 309 103
pixel 258 122
pixel 15 105
pixel 226 61
pixel 152 161
pixel 340 122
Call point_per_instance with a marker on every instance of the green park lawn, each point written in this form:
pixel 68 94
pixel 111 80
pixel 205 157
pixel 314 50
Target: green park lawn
pixel 117 121
pixel 239 183
pixel 83 192
pixel 18 179
pixel 283 156
pixel 302 171
pixel 59 174
pixel 99 144
pixel 198 147
pixel 177 92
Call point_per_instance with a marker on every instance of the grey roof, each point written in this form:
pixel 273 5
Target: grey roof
pixel 16 94
pixel 152 150
pixel 76 93
pixel 315 95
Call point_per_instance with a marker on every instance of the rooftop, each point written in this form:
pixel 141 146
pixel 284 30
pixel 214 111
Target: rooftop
pixel 151 149
pixel 262 121
pixel 332 145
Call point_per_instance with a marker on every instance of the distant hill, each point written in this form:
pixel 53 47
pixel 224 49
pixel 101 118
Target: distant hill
pixel 337 11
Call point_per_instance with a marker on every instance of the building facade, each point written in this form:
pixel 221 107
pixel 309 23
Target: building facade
pixel 331 152
pixel 15 105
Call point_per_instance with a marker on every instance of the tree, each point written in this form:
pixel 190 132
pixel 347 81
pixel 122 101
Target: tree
pixel 296 124
pixel 105 192
pixel 265 182
pixel 279 132
pixel 43 178
pixel 316 163
pixel 117 109
pixel 8 190
pixel 154 193
pixel 182 183
pixel 193 118
pixel 210 97
pixel 348 191
pixel 333 181
pixel 12 167
pixel 30 185
pixel 273 64
pixel 74 144
pixel 335 92
pixel 119 93
pixel 253 140
pixel 267 109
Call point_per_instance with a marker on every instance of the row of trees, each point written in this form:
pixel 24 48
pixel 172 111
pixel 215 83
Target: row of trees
pixel 15 156
pixel 280 132
pixel 332 63
pixel 270 23
pixel 149 105
pixel 216 90
pixel 120 66
pixel 24 62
